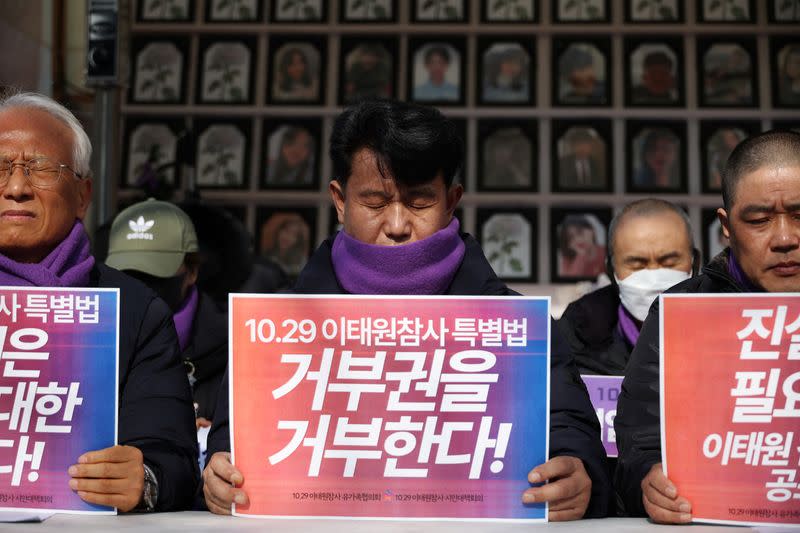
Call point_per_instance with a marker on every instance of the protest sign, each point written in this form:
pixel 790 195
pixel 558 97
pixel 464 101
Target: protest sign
pixel 604 392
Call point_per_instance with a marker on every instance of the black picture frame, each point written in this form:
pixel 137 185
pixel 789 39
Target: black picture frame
pixel 278 174
pixel 157 141
pixel 217 151
pixel 577 53
pixel 785 93
pixel 170 13
pixel 727 95
pixel 461 130
pixel 153 78
pixel 503 253
pixel 299 217
pixel 655 131
pixel 512 12
pixel 521 91
pixel 730 14
pixel 783 11
pixel 445 11
pixel 659 54
pixel 418 49
pixel 506 170
pixel 713 158
pixel 654 7
pixel 350 67
pixel 564 164
pixel 793 125
pixel 586 221
pixel 277 57
pixel 225 58
pixel 320 11
pixel 713 239
pixel 377 19
pixel 582 12
pixel 239 11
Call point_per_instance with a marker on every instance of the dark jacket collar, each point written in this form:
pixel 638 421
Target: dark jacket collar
pixel 717 271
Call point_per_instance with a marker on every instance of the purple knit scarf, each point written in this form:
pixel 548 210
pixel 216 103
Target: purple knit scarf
pixel 422 267
pixel 627 326
pixel 68 265
pixel 736 272
pixel 184 318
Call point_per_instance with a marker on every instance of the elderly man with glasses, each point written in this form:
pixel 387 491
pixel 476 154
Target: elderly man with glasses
pixel 44 195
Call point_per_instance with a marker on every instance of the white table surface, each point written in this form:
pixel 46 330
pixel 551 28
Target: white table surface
pixel 203 521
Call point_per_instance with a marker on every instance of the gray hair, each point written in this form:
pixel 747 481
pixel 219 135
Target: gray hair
pixel 81 145
pixel 645 208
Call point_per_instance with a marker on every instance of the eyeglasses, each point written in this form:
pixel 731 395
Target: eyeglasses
pixel 40 172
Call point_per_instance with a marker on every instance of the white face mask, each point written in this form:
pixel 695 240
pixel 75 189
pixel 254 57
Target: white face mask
pixel 638 291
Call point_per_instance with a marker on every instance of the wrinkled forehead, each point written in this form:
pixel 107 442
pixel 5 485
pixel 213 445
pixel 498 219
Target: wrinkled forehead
pixel 33 132
pixel 773 185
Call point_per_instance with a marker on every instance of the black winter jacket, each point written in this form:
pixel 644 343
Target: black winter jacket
pixel 206 356
pixel 638 420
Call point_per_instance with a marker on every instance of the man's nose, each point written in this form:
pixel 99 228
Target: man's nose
pixel 397 225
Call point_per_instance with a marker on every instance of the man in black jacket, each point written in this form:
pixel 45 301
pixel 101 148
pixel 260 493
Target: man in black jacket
pixel 761 217
pixel 43 244
pixel 394 166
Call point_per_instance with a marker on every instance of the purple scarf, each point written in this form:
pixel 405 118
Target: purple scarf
pixel 184 318
pixel 627 325
pixel 68 265
pixel 422 267
pixel 739 276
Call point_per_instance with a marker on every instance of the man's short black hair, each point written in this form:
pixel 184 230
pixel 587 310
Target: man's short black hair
pixel 771 148
pixel 437 50
pixel 412 143
pixel 657 59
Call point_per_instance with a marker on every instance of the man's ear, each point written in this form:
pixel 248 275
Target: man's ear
pixel 454 195
pixel 722 215
pixel 84 192
pixel 337 196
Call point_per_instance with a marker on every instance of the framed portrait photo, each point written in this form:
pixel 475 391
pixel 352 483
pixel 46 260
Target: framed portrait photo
pixel 581 11
pixel 654 11
pixel 785 54
pixel 437 70
pixel 296 72
pixel 286 236
pixel 718 139
pixel 151 148
pixel 714 240
pixel 727 72
pixel 226 74
pixel 656 156
pixel 505 71
pixel 159 66
pixel 581 156
pixel 510 11
pixel 726 11
pixel 508 152
pixel 439 11
pixel 783 11
pixel 509 241
pixel 291 153
pixel 222 153
pixel 654 74
pixel 367 11
pixel 578 243
pixel 233 10
pixel 299 11
pixel 164 11
pixel 368 68
pixel 583 67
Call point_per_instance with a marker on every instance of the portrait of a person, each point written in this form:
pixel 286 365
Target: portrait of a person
pixel 368 72
pixel 291 157
pixel 789 75
pixel 727 76
pixel 580 72
pixel 656 83
pixel 658 158
pixel 506 74
pixel 507 160
pixel 580 252
pixel 440 64
pixel 296 73
pixel 580 165
pixel 286 240
pixel 719 148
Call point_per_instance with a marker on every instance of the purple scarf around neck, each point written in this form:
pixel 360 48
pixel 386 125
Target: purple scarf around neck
pixel 68 265
pixel 184 318
pixel 422 267
pixel 627 325
pixel 736 272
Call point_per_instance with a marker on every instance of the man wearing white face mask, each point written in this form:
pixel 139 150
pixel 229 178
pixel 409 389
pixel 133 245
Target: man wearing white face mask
pixel 650 250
